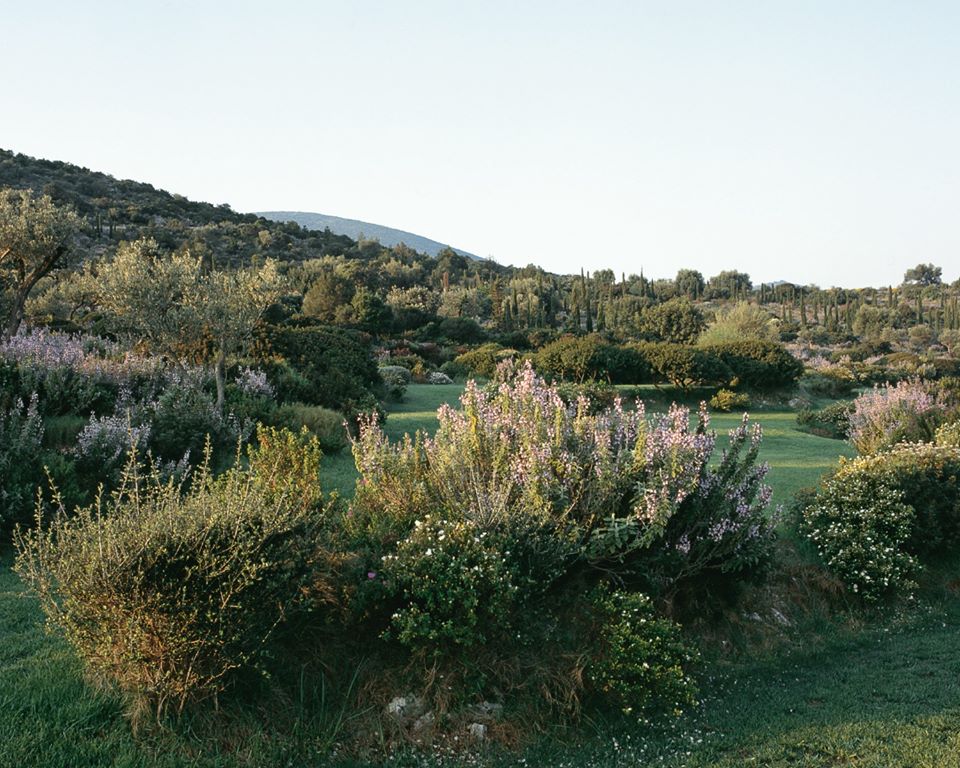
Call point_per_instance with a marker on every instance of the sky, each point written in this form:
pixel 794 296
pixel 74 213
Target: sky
pixel 816 141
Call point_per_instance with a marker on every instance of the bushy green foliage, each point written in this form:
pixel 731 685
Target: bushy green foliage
pixel 599 395
pixel 677 321
pixel 331 366
pixel 326 425
pixel 168 592
pixel 685 366
pixel 728 400
pixel 758 364
pixel 830 421
pixel 641 662
pixel 483 360
pixel 456 583
pixel 21 462
pixel 834 381
pixel 878 516
pixel 396 378
pixel 579 358
pixel 183 417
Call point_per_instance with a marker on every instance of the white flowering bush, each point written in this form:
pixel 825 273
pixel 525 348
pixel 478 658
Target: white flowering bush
pixel 859 528
pixel 456 582
pixel 879 516
pixel 949 435
pixel 640 661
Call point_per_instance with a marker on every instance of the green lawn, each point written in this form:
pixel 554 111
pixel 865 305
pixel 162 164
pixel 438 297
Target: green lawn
pixel 878 697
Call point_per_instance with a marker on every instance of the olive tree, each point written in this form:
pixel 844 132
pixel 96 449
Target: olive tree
pixel 179 307
pixel 36 238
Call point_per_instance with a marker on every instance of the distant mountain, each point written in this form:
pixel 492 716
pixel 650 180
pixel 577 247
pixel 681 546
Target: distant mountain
pixel 356 230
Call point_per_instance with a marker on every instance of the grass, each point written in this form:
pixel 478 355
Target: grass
pixel 888 695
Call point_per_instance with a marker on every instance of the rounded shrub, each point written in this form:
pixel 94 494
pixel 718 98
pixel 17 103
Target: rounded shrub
pixel 326 425
pixel 879 516
pixel 640 662
pixel 728 400
pixel 168 593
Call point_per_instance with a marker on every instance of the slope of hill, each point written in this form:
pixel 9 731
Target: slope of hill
pixel 357 230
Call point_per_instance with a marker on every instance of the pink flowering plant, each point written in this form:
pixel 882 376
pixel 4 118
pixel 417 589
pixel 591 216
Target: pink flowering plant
pixel 77 374
pixel 907 411
pixel 609 492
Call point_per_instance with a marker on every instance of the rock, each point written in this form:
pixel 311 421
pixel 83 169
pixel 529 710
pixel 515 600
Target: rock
pixel 407 707
pixel 780 617
pixel 424 721
pixel 477 731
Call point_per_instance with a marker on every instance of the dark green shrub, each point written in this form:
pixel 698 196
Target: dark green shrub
pixel 758 364
pixel 601 396
pixel 396 378
pixel 831 421
pixel 21 462
pixel 640 662
pixel 684 366
pixel 182 419
pixel 833 382
pixel 878 516
pixel 483 361
pixel 579 358
pixel 332 366
pixel 455 370
pixel 169 593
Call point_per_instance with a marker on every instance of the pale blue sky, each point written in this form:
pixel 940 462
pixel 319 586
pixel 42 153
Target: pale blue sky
pixel 813 140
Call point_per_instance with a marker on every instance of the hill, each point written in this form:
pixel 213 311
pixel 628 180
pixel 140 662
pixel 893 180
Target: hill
pixel 363 230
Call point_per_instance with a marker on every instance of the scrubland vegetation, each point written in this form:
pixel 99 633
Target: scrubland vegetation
pixel 283 498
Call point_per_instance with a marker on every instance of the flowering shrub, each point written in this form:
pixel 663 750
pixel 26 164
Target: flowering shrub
pixel 253 382
pixel 105 443
pixel 627 487
pixel 456 585
pixel 167 592
pixel 949 435
pixel 878 515
pixel 640 661
pixel 894 413
pixel 78 374
pixel 859 527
